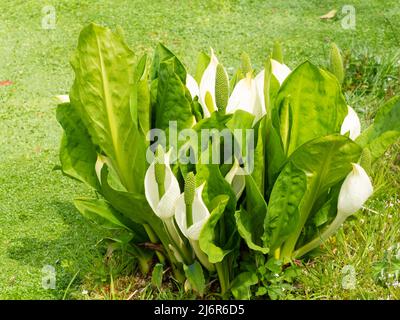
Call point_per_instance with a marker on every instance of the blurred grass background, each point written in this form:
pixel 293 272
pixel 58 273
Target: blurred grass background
pixel 38 223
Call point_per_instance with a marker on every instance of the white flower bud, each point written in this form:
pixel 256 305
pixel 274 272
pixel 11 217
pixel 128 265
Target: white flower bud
pixel 355 190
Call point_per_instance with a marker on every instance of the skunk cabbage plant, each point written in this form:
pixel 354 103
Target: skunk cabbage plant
pixel 201 172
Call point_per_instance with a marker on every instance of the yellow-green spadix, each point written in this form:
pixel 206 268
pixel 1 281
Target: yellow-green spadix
pixel 199 214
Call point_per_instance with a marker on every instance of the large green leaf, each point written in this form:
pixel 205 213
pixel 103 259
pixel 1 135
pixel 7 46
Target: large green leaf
pixel 209 240
pixel 216 184
pixel 322 214
pixel 78 155
pixel 308 105
pixel 132 205
pixel 324 161
pixel 275 156
pixel 173 98
pixel 283 207
pixel 140 100
pixel 328 159
pixel 259 155
pixel 271 87
pixel 384 131
pixel 101 212
pixel 102 91
pixel 250 221
pixel 162 54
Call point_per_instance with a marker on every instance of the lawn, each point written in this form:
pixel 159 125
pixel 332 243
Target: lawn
pixel 39 225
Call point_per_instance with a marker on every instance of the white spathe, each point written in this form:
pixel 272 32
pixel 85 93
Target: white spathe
pixel 200 215
pixel 192 85
pixel 351 123
pixel 63 98
pixel 280 72
pixel 163 207
pixel 355 190
pixel 99 166
pixel 235 177
pixel 207 84
pixel 245 97
pixel 100 162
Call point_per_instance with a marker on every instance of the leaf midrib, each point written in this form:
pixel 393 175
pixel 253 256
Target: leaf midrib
pixel 109 108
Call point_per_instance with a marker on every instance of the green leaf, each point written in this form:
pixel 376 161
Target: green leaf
pixel 309 104
pixel 104 82
pixel 195 276
pixel 271 88
pixel 235 79
pixel 261 291
pixel 101 212
pixel 157 276
pixel 275 266
pixel 140 102
pixel 216 124
pixel 250 221
pixel 202 62
pixel 325 208
pixel 325 162
pixel 241 285
pixel 140 72
pixel 240 120
pixel 209 239
pixel 133 205
pixel 275 155
pixel 243 121
pixel 161 55
pixel 173 98
pixel 329 157
pixel 283 214
pixel 366 160
pixel 78 155
pixel 384 131
pixel 259 171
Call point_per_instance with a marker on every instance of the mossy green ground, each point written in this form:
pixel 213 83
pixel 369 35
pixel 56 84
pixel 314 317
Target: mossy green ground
pixel 38 223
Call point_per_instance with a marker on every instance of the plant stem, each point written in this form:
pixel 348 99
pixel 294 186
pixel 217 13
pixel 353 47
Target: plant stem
pixel 154 239
pixel 333 227
pixel 158 228
pixel 223 276
pixel 177 241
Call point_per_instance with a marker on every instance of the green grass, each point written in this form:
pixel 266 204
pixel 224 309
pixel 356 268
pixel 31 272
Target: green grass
pixel 38 223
